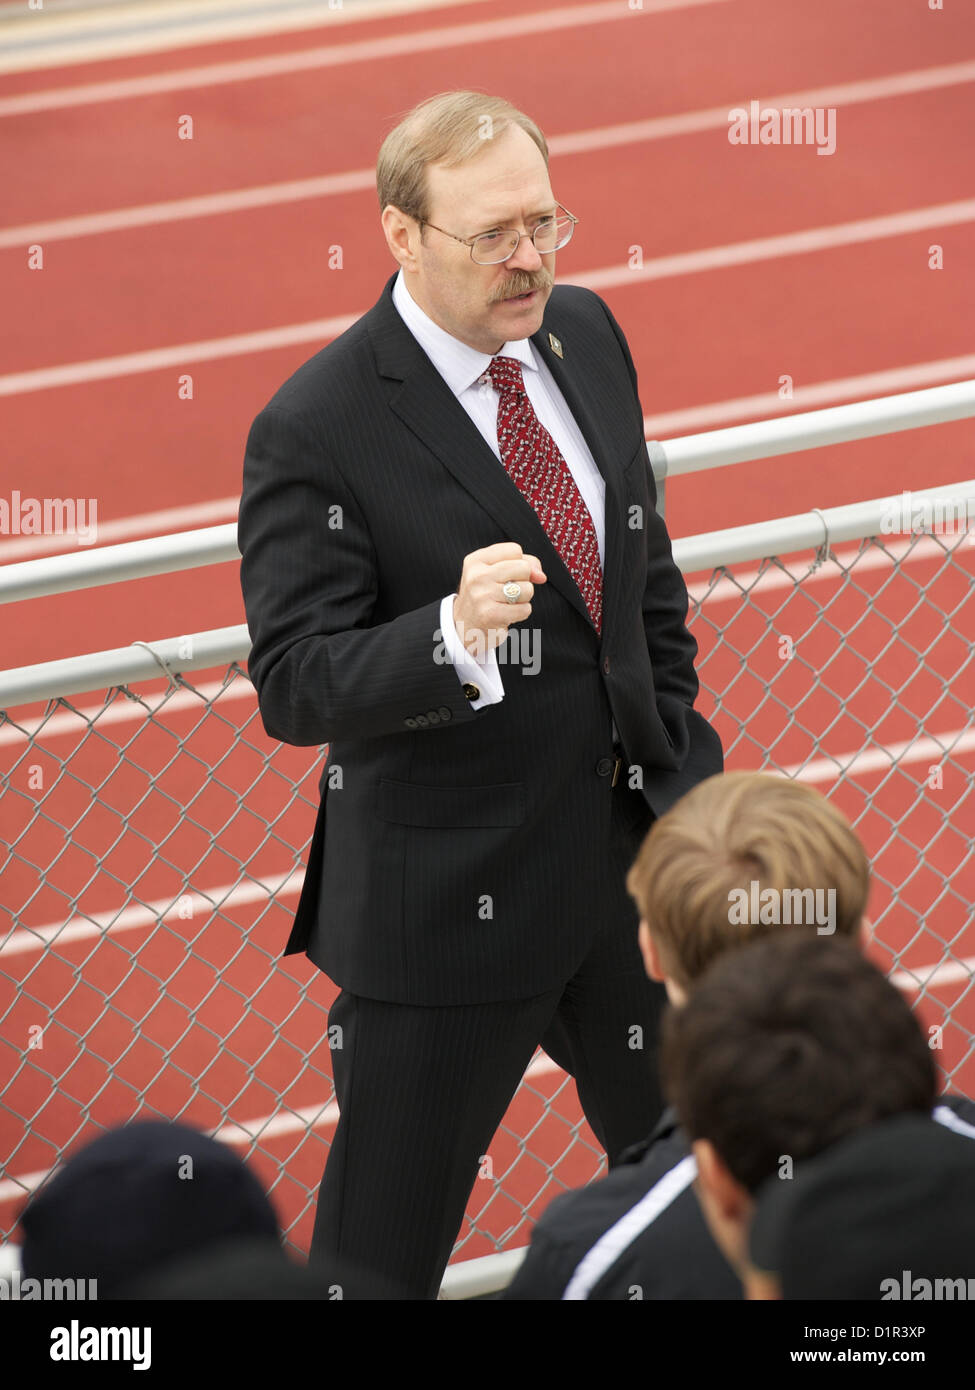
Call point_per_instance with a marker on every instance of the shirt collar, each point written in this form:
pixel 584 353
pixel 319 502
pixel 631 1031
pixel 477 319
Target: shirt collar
pixel 459 364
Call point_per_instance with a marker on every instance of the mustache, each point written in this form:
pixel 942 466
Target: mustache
pixel 521 284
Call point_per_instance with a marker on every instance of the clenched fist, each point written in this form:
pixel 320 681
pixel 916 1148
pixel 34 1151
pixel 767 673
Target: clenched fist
pixel 482 614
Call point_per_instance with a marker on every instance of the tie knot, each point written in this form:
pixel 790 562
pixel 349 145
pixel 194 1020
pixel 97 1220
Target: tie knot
pixel 505 373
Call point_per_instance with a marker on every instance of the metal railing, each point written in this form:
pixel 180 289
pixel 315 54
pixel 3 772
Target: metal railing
pixel 210 545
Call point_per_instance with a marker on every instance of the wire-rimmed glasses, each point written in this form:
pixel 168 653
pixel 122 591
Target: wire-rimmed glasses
pixel 500 244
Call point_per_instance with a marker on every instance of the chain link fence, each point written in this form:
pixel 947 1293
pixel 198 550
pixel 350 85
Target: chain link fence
pixel 153 840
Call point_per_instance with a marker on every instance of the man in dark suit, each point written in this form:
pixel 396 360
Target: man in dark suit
pixel 459 463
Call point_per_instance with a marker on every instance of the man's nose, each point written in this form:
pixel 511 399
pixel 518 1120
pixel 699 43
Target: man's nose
pixel 526 257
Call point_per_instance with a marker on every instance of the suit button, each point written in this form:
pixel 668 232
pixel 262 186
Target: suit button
pixel 445 713
pixel 410 723
pixel 433 717
pixel 422 720
pixel 606 665
pixel 604 767
pixel 472 692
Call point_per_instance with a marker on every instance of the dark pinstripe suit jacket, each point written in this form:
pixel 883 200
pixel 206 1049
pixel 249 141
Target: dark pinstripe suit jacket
pixel 462 858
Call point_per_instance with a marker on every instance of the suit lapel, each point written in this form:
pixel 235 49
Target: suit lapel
pixel 429 408
pixel 585 407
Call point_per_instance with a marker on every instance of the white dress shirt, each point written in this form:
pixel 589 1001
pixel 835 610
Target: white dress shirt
pixel 463 368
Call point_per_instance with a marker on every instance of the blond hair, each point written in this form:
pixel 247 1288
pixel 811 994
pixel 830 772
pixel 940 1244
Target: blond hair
pixel 447 129
pixel 728 832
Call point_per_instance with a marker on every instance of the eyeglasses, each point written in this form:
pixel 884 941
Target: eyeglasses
pixel 491 248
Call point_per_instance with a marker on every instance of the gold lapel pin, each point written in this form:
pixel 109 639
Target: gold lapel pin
pixel 555 345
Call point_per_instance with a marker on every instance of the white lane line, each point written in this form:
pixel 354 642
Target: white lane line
pixel 504 30
pixel 206 902
pixel 223 509
pixel 946 972
pixel 181 209
pixel 813 239
pixel 296 1121
pixel 915 750
pixel 716 117
pixel 673 423
pixel 286 1122
pixel 573 142
pixel 325 1117
pixel 211 350
pixel 189 906
pixel 67 724
pixel 123 32
pixel 865 229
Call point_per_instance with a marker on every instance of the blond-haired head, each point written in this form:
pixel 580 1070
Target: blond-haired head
pixel 724 844
pixel 450 129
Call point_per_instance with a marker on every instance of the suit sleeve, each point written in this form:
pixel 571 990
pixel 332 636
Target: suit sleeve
pixel 309 578
pixel 672 647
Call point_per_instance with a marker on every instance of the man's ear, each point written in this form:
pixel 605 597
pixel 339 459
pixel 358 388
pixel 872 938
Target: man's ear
pixel 651 956
pixel 397 233
pixel 729 1198
pixel 865 933
pixel 725 1205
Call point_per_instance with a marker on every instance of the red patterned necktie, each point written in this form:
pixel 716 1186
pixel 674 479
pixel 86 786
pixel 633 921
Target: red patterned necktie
pixel 537 468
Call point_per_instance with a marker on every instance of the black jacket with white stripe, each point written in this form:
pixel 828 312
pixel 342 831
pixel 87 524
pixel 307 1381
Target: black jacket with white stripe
pixel 639 1233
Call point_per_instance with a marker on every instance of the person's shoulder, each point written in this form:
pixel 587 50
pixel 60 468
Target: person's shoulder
pixel 660 1248
pixel 335 371
pixel 573 1222
pixel 592 1209
pixel 340 385
pixel 578 302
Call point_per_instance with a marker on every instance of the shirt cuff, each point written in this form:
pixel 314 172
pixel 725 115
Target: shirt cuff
pixel 484 674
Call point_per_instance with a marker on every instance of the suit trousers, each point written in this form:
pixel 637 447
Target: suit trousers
pixel 422 1089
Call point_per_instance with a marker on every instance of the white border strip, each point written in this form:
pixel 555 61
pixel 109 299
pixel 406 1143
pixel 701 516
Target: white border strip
pixel 613 1242
pixel 947 1117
